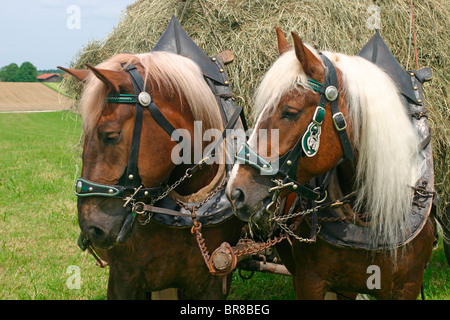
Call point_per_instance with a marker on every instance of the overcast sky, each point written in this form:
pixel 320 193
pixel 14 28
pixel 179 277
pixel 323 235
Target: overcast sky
pixel 49 33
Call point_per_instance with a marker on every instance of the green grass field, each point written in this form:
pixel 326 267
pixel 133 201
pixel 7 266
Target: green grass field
pixel 39 162
pixel 38 221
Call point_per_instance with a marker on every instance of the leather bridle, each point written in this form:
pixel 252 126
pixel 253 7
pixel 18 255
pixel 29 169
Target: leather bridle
pixel 130 179
pixel 286 165
pixel 129 186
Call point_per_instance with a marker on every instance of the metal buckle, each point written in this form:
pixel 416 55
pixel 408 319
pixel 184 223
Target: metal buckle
pixel 325 195
pixel 338 120
pixel 203 162
pixel 131 198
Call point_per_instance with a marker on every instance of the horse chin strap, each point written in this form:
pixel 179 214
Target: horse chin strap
pixel 308 144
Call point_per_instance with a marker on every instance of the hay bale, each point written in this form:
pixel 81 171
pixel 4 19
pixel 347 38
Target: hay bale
pixel 247 28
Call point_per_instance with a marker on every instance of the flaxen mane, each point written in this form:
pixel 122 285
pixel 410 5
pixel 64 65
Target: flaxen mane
pixel 169 71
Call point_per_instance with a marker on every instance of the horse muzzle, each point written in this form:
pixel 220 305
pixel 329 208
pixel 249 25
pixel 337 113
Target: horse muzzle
pixel 104 221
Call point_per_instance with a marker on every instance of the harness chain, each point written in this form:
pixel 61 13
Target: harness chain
pixel 154 200
pixel 255 248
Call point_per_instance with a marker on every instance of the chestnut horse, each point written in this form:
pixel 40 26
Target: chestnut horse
pixel 336 111
pixel 130 105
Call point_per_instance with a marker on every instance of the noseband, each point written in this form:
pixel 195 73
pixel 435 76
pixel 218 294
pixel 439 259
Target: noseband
pixel 130 182
pixel 309 141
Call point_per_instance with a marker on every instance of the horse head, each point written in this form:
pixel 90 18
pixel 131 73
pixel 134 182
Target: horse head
pixel 328 107
pixel 130 106
pixel 289 103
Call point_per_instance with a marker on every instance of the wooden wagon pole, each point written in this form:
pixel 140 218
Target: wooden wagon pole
pixel 263 266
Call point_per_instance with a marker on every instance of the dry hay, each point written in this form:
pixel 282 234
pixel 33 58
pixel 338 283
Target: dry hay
pixel 247 28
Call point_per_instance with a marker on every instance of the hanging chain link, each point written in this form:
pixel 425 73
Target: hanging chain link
pixel 251 247
pixel 280 219
pixel 162 196
pixel 208 197
pixel 172 187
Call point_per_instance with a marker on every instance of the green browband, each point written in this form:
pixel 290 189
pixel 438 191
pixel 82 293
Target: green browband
pixel 316 86
pixel 122 98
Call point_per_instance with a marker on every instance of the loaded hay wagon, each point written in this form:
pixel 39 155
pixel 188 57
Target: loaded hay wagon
pixel 235 24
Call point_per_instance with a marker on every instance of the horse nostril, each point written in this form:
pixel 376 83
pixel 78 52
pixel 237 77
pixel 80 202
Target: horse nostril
pixel 237 198
pixel 96 234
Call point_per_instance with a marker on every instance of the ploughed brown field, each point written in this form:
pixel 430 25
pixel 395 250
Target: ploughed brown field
pixel 30 96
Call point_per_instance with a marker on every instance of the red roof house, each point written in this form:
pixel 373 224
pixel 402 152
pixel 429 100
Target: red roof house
pixel 48 77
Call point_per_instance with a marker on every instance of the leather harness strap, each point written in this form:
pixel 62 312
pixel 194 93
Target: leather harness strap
pixel 337 116
pixel 130 178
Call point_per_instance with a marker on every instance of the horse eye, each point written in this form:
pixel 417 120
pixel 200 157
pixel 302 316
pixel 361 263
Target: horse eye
pixel 111 137
pixel 290 113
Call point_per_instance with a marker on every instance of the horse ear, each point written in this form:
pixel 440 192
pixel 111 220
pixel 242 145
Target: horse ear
pixel 80 74
pixel 310 63
pixel 283 44
pixel 109 77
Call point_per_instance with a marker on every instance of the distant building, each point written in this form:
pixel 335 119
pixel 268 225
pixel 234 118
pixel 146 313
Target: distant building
pixel 49 77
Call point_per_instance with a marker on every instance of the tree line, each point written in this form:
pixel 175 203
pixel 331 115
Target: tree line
pixel 27 72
